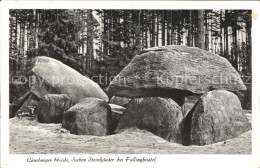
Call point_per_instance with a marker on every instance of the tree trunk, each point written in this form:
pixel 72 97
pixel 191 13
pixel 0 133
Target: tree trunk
pixel 137 32
pixel 179 40
pixel 206 32
pixel 226 36
pixel 146 39
pixel 110 29
pixel 248 46
pixel 235 57
pixel 157 32
pixel 36 28
pixel 84 59
pixel 190 29
pixel 153 29
pixel 105 35
pixel 163 28
pixel 201 34
pixel 90 33
pixel 142 28
pixel 172 27
pixel 168 28
pixel 221 37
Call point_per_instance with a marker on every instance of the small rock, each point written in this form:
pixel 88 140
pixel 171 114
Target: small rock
pixel 121 101
pixel 117 113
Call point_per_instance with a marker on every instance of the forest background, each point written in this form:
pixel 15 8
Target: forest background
pixel 103 42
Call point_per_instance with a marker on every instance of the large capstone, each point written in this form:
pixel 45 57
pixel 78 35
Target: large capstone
pixel 175 71
pixel 53 77
pixel 52 107
pixel 217 116
pixel 161 116
pixel 91 116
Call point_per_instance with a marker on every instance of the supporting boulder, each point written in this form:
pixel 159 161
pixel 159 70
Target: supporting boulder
pixel 91 116
pixel 217 116
pixel 160 116
pixel 51 108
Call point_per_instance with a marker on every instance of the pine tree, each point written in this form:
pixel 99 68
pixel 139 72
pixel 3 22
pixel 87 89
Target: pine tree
pixel 201 34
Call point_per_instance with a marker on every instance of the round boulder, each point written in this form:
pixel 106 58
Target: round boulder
pixel 158 115
pixel 91 116
pixel 217 116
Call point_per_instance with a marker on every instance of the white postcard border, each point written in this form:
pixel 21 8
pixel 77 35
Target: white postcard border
pixel 173 160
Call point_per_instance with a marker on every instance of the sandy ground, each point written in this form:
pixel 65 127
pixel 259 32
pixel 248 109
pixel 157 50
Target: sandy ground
pixel 29 137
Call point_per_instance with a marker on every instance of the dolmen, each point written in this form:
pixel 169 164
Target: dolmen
pixel 58 91
pixel 182 94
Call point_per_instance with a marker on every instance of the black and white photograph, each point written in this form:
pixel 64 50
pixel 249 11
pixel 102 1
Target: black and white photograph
pixel 129 81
